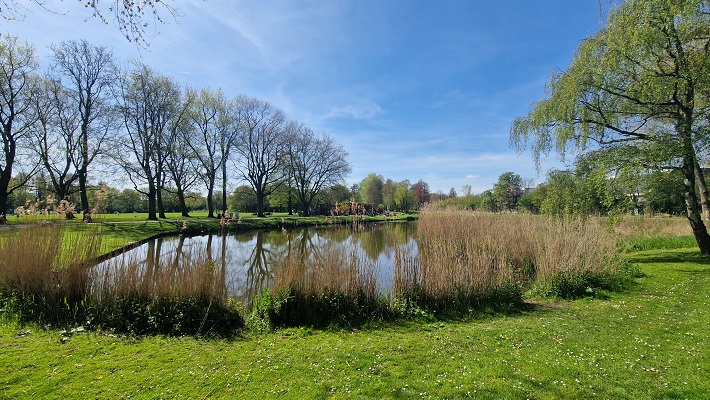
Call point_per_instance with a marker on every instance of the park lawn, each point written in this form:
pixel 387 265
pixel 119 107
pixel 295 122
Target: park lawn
pixel 649 342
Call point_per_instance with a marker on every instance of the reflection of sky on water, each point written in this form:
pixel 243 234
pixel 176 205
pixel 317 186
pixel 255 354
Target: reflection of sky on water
pixel 248 259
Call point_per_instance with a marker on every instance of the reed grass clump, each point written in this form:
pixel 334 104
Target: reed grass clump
pixel 48 275
pixel 43 273
pixel 335 286
pixel 638 233
pixel 171 296
pixel 479 259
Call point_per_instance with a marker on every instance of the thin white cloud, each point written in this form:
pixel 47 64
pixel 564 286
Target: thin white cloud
pixel 361 110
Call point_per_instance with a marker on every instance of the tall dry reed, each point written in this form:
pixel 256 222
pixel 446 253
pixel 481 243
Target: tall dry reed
pixel 48 275
pixel 44 270
pixel 175 294
pixel 467 256
pixel 332 285
pixel 197 275
pixel 634 227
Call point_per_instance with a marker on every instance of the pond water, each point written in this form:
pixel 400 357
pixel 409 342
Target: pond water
pixel 248 259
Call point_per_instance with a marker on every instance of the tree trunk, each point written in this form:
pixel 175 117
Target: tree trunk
pixel 290 201
pixel 210 209
pixel 183 204
pixel 691 204
pixel 4 184
pixel 224 185
pixel 159 201
pixel 306 202
pixel 82 191
pixel 703 190
pixel 152 192
pixel 260 203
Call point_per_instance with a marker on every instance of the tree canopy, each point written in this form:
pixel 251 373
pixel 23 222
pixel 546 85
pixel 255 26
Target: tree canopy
pixel 639 84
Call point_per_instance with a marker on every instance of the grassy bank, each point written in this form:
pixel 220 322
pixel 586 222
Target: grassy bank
pixel 649 342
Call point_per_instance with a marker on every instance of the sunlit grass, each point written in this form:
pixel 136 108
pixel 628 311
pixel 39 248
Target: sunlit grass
pixel 650 342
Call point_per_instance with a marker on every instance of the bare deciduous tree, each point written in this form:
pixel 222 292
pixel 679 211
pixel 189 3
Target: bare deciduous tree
pixel 314 163
pixel 260 146
pixel 88 74
pixel 181 161
pixel 56 136
pixel 149 102
pixel 18 85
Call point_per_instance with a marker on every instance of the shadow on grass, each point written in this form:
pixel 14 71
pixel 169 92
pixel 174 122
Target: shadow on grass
pixel 671 256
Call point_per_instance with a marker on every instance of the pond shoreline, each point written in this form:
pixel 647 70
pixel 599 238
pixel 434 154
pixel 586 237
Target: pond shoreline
pixel 207 226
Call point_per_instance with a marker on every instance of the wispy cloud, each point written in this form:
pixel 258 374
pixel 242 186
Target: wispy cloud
pixel 361 110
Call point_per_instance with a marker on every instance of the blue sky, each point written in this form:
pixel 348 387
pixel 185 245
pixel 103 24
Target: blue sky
pixel 412 89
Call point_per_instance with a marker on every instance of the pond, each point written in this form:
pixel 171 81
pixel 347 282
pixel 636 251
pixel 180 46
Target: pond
pixel 248 260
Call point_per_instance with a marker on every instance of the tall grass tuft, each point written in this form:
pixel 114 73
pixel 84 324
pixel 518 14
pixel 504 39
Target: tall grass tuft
pixel 48 276
pixel 479 259
pixel 465 263
pixel 649 233
pixel 335 286
pixel 185 294
pixel 43 272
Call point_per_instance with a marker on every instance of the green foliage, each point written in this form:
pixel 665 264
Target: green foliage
pixel 371 189
pixel 663 191
pixel 595 284
pixel 503 298
pixel 293 307
pixel 243 199
pixel 167 315
pixel 488 202
pixel 404 199
pixel 530 202
pixel 507 191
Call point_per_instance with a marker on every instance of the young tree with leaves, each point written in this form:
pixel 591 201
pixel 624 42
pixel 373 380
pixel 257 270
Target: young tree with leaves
pixel 638 82
pixel 371 189
pixel 507 191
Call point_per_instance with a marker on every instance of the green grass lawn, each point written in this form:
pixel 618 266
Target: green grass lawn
pixel 650 342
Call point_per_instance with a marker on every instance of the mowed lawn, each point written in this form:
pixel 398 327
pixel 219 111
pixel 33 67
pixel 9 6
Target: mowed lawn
pixel 648 343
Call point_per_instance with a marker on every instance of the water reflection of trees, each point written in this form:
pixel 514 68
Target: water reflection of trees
pixel 248 261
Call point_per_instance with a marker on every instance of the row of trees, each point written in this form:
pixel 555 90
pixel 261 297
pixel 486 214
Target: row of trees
pixel 86 115
pixel 107 199
pixel 596 185
pixel 401 196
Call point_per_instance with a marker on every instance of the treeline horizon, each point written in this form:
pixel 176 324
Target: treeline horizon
pixel 84 118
